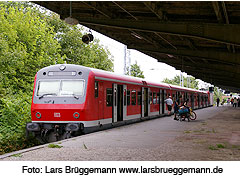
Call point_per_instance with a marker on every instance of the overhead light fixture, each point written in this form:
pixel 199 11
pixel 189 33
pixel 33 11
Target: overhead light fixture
pixel 70 20
pixel 88 37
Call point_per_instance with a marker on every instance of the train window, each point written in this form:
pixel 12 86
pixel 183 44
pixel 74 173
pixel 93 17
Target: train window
pixel 139 97
pixel 133 95
pixel 150 97
pixel 72 87
pixel 48 87
pixel 154 98
pixel 96 89
pixel 158 98
pixel 179 95
pixel 109 97
pixel 128 97
pixel 61 88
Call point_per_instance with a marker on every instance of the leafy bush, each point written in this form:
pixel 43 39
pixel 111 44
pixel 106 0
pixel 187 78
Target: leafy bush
pixel 29 41
pixel 14 114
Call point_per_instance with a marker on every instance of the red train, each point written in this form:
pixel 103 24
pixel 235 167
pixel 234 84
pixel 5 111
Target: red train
pixel 71 99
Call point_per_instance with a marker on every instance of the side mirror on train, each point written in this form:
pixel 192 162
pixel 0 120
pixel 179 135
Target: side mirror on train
pixel 87 38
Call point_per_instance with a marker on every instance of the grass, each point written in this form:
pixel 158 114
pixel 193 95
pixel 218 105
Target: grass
pixel 212 148
pixel 17 155
pixel 217 147
pixel 54 146
pixel 187 131
pixel 220 146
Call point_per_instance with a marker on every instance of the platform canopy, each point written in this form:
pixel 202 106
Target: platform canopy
pixel 199 38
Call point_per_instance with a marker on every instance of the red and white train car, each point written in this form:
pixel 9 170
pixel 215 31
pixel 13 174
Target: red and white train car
pixel 72 99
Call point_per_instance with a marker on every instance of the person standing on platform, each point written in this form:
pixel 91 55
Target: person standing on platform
pixel 176 107
pixel 218 100
pixel 169 103
pixel 235 102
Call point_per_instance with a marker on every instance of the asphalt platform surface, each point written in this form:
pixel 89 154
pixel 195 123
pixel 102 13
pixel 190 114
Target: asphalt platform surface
pixel 151 140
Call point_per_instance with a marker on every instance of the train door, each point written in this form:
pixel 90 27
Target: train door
pixel 114 107
pixel 119 102
pixel 143 102
pixel 146 108
pixel 159 100
pixel 177 96
pixel 149 100
pixel 99 93
pixel 163 98
pixel 192 101
pixel 198 99
pixel 186 98
pixel 124 102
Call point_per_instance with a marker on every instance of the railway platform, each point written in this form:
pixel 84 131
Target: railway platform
pixel 215 135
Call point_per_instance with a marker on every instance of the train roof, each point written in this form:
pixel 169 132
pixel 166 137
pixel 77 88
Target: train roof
pixel 186 89
pixel 127 78
pixel 106 75
pixel 101 74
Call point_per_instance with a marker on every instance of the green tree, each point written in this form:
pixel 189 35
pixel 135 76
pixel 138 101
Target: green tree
pixel 217 94
pixel 29 41
pixel 176 81
pixel 26 44
pixel 135 71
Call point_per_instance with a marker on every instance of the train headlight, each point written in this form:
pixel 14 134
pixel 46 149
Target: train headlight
pixel 76 115
pixel 38 115
pixel 62 67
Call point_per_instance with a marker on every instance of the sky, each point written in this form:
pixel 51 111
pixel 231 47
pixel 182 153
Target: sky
pixel 153 70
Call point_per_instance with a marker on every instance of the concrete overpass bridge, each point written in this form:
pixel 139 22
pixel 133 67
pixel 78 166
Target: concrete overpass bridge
pixel 199 38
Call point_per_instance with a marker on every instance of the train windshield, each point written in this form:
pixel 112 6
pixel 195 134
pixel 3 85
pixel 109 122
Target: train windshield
pixel 60 88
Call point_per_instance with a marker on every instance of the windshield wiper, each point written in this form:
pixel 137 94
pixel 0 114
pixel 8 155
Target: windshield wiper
pixel 47 95
pixel 76 97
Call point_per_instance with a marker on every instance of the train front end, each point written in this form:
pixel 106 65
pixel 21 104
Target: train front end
pixel 58 102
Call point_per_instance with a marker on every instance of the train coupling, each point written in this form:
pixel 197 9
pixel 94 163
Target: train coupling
pixel 33 127
pixel 72 127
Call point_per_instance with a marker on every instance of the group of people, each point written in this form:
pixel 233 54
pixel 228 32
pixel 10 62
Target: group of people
pixel 176 106
pixel 234 101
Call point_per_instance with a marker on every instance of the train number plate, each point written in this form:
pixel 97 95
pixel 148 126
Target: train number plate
pixel 57 114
